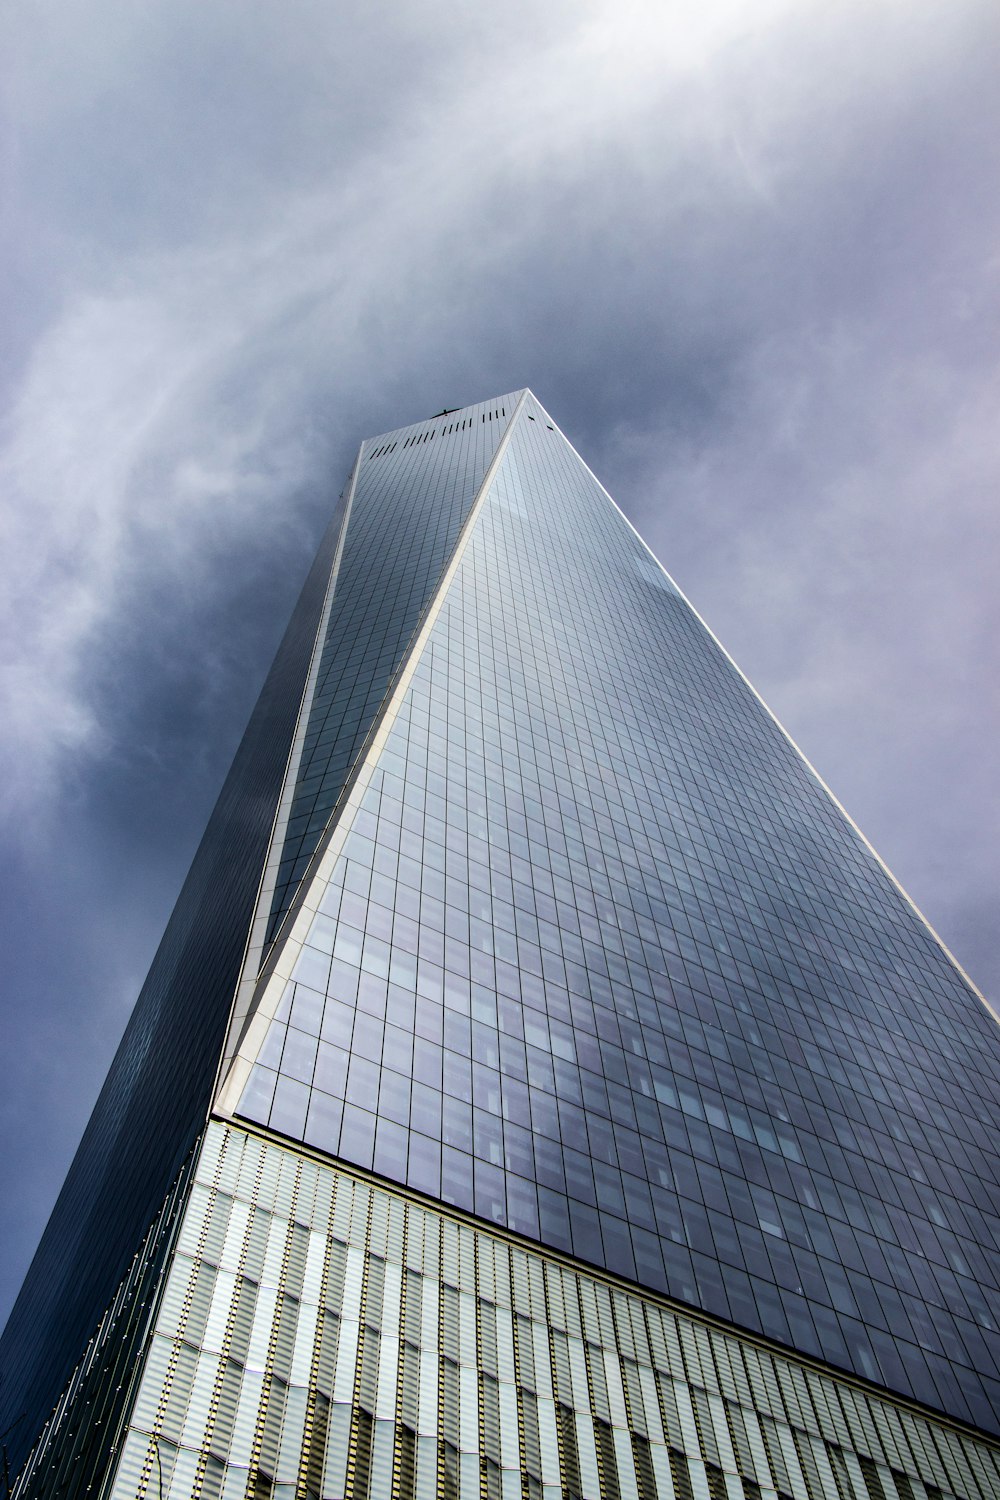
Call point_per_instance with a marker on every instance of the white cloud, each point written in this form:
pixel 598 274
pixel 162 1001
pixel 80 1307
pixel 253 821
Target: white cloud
pixel 170 396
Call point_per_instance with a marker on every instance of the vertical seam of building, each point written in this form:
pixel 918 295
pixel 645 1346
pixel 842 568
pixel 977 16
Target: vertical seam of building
pixel 417 431
pixel 279 963
pixel 255 945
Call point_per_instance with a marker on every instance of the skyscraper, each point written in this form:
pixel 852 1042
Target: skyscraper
pixel 541 1089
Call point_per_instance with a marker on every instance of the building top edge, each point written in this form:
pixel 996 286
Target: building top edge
pixel 448 414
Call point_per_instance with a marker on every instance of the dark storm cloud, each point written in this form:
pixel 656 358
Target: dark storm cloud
pixel 747 259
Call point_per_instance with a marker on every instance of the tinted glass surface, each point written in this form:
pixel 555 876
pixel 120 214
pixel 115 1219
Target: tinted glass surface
pixel 603 962
pixel 156 1096
pixel 414 489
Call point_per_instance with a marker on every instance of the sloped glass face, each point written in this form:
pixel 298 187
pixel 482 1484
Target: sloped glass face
pixel 413 492
pixel 601 961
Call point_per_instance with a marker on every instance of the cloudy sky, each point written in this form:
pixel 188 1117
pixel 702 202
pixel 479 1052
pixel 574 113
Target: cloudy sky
pixel 748 258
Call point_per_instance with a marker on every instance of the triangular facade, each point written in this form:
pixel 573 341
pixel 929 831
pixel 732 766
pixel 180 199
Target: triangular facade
pixel 593 1113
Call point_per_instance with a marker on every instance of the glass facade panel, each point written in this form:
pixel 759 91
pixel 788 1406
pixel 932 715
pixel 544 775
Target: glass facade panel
pixel 578 966
pixel 414 489
pixel 666 1010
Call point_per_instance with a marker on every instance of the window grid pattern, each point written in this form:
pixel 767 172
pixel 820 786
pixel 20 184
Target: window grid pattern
pixel 603 962
pixel 399 538
pixel 325 1338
